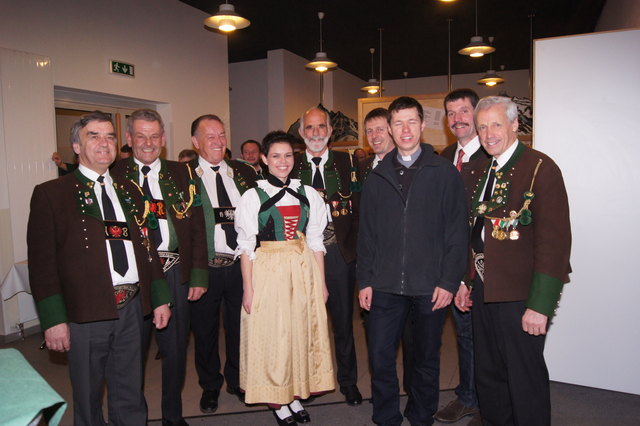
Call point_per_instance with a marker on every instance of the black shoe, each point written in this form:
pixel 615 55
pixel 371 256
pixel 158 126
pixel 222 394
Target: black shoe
pixel 237 392
pixel 181 422
pixel 209 401
pixel 287 421
pixel 351 394
pixel 301 416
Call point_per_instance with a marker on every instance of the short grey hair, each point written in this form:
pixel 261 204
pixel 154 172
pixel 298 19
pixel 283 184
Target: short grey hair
pixel 326 114
pixel 145 115
pixel 98 116
pixel 510 108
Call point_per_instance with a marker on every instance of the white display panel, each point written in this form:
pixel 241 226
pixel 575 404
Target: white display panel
pixel 586 117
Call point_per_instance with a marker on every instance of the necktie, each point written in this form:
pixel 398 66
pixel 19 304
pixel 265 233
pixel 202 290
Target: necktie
pixel 459 161
pixel 157 234
pixel 224 201
pixel 318 183
pixel 118 252
pixel 476 233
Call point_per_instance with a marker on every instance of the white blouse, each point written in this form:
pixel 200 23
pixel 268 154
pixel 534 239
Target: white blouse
pixel 246 217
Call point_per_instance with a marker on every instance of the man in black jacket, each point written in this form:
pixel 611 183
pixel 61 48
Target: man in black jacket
pixel 413 216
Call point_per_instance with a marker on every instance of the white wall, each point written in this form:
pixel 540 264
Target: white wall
pixel 586 93
pixel 249 98
pixel 178 62
pixel 180 67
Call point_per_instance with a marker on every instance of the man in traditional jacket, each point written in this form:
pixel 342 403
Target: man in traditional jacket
pixel 334 175
pixel 220 183
pixel 176 226
pixel 520 241
pixel 95 275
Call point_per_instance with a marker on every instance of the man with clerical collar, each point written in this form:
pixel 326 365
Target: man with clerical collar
pixel 333 174
pixel 176 226
pixel 520 241
pixel 458 106
pixel 376 127
pixel 413 216
pixel 95 275
pixel 220 183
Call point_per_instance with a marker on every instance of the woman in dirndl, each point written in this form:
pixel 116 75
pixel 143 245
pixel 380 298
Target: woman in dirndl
pixel 285 352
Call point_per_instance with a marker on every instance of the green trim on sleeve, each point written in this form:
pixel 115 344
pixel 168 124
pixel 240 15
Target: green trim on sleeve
pixel 199 278
pixel 544 294
pixel 52 311
pixel 160 293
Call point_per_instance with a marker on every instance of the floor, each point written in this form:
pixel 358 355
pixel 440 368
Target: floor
pixel 53 367
pixel 571 405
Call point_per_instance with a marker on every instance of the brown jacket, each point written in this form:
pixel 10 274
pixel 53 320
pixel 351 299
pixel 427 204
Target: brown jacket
pixel 340 197
pixel 189 228
pixel 69 270
pixel 536 265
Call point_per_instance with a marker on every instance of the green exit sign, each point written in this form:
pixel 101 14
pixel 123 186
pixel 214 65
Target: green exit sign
pixel 123 68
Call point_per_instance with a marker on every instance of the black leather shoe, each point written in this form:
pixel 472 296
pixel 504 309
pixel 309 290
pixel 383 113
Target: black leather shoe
pixel 351 395
pixel 237 392
pixel 301 416
pixel 287 421
pixel 209 401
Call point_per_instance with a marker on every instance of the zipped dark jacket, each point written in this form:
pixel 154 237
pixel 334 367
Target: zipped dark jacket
pixel 409 246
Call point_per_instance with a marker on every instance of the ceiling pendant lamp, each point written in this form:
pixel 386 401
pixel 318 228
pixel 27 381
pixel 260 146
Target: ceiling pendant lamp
pixel 372 86
pixel 321 63
pixel 476 47
pixel 227 19
pixel 491 78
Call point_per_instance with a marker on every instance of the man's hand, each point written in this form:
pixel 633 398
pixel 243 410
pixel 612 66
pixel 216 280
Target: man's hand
pixel 161 316
pixel 534 322
pixel 58 338
pixel 463 298
pixel 195 293
pixel 365 297
pixel 441 298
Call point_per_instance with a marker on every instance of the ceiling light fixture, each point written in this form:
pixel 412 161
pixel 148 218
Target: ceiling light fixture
pixel 491 78
pixel 227 19
pixel 372 86
pixel 476 47
pixel 321 63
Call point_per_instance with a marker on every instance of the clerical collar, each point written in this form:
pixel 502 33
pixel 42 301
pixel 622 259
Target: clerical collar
pixel 408 160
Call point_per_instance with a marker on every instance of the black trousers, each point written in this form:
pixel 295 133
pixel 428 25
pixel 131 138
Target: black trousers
pixel 385 325
pixel 341 286
pixel 511 375
pixel 108 351
pixel 172 344
pixel 225 290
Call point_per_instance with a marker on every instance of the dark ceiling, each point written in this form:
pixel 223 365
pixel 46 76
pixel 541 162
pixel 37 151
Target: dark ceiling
pixel 415 31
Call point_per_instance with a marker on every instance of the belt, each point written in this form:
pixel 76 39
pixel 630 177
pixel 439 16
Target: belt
pixel 222 260
pixel 124 293
pixel 168 259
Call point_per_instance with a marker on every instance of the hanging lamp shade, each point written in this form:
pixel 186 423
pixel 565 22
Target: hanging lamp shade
pixel 491 78
pixel 372 86
pixel 321 63
pixel 227 19
pixel 477 48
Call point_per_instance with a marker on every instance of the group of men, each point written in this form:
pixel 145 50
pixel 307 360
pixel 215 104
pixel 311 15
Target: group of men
pixel 152 242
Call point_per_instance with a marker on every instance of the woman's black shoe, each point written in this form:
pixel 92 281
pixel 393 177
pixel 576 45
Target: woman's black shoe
pixel 287 421
pixel 301 416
